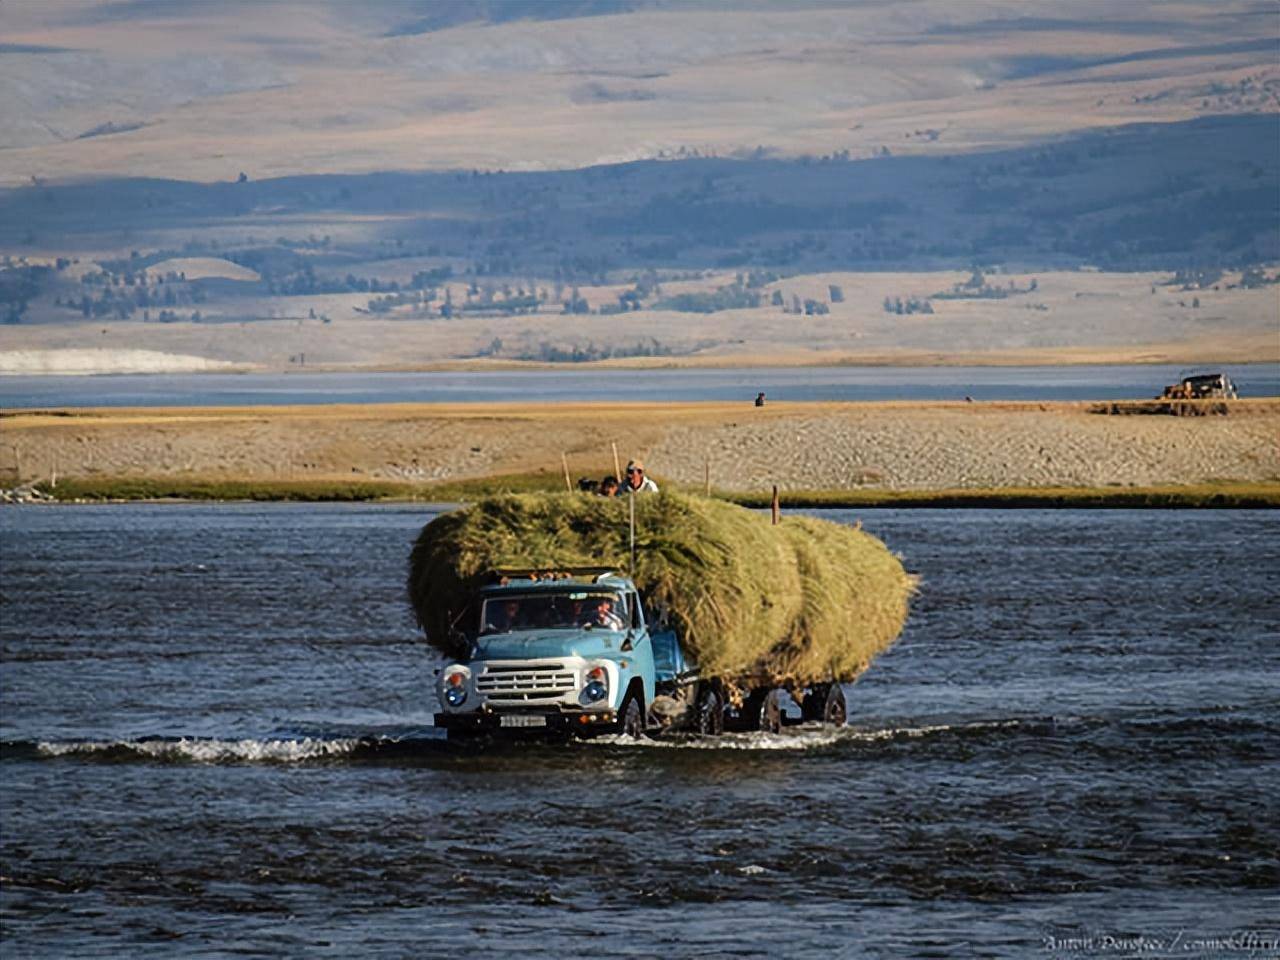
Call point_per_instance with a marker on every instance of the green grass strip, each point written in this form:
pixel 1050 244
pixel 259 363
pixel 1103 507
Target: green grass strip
pixel 1191 496
pixel 1206 495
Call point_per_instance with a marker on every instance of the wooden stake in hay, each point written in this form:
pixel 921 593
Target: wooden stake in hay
pixel 801 602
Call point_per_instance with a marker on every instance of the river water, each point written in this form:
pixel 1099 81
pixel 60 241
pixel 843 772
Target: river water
pixel 1118 382
pixel 217 742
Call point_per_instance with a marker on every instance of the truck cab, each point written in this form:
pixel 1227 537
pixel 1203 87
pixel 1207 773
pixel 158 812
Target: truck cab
pixel 558 653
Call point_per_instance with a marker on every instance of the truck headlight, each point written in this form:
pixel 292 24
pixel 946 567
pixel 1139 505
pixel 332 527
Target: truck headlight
pixel 455 688
pixel 597 685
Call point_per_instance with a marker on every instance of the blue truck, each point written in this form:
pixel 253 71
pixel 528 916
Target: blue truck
pixel 577 653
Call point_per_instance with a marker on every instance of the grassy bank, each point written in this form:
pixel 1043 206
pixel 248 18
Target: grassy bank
pixel 1191 496
pixel 1206 495
pixel 313 491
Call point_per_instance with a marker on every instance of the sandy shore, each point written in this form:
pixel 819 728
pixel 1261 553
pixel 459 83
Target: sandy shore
pixel 892 446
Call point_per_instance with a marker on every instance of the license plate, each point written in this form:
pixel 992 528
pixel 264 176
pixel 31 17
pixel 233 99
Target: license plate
pixel 522 721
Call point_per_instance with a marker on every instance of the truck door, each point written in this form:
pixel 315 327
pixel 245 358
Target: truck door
pixel 641 647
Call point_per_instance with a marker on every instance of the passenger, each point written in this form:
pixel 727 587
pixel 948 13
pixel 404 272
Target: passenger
pixel 637 482
pixel 502 619
pixel 603 615
pixel 587 485
pixel 609 486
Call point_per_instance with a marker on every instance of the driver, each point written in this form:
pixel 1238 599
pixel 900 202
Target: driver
pixel 602 615
pixel 503 619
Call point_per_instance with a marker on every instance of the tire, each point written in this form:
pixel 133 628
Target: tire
pixel 835 711
pixel 769 713
pixel 813 709
pixel 708 717
pixel 631 716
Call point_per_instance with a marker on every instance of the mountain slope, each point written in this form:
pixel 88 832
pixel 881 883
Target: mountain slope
pixel 196 90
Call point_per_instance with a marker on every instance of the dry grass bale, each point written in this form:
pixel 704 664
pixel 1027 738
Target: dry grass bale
pixel 804 601
pixel 726 579
pixel 854 595
pixel 455 552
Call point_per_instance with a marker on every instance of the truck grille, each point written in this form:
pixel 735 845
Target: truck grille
pixel 544 681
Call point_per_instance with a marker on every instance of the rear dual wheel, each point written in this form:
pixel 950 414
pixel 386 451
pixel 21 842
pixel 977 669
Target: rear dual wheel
pixel 708 717
pixel 763 711
pixel 825 703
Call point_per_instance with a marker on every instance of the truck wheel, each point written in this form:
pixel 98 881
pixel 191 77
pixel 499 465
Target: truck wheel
pixel 770 715
pixel 709 714
pixel 631 716
pixel 835 711
pixel 814 707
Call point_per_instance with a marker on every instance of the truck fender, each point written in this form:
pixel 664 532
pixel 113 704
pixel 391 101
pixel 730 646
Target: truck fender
pixel 635 688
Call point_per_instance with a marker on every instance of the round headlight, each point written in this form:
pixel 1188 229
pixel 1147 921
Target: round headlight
pixel 455 689
pixel 597 686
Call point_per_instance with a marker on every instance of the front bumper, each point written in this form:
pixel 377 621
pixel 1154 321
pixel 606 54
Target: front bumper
pixel 527 723
pixel 547 692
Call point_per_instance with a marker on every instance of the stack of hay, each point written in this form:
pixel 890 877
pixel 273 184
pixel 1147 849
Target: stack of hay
pixel 803 602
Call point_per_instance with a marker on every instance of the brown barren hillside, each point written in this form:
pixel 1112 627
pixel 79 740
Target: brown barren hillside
pixel 292 87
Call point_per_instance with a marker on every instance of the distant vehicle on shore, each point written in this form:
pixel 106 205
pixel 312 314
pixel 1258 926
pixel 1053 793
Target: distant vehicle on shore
pixel 1201 386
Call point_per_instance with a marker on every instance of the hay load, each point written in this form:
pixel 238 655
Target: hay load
pixel 802 602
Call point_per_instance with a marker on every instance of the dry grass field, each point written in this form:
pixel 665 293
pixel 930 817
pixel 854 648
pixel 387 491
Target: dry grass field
pixel 799 446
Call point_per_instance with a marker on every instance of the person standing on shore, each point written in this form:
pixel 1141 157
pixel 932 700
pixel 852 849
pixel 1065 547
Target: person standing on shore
pixel 636 481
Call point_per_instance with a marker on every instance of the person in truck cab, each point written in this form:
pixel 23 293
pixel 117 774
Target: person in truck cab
pixel 602 615
pixel 502 618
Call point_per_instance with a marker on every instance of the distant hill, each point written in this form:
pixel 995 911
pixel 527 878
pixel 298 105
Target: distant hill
pixel 195 90
pixel 1156 196
pixel 427 16
pixel 203 268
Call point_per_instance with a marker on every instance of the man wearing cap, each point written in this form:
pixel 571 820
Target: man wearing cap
pixel 636 481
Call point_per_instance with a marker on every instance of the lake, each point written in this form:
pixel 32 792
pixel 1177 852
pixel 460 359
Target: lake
pixel 217 741
pixel 1133 381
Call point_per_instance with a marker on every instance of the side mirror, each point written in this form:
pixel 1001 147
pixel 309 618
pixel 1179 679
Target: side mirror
pixel 458 640
pixel 627 644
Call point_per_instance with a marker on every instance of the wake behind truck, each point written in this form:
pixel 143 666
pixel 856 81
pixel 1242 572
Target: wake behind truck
pixel 576 653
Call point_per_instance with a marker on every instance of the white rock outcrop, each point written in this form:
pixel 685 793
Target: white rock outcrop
pixel 91 361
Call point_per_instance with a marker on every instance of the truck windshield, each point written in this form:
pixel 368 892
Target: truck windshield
pixel 555 611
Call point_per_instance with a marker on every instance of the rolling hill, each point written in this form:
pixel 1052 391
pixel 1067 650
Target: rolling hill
pixel 203 91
